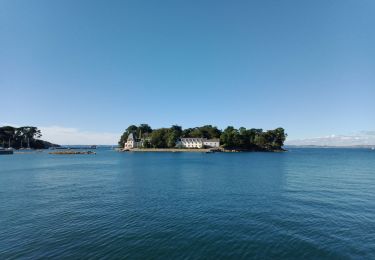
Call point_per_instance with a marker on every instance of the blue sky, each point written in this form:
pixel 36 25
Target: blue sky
pixel 95 67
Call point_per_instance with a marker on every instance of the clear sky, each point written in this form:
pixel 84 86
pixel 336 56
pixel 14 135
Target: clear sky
pixel 96 67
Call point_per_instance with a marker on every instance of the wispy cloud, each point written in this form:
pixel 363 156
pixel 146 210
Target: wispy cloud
pixel 360 138
pixel 72 136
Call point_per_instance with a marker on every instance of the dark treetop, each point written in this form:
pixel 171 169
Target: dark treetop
pixel 22 137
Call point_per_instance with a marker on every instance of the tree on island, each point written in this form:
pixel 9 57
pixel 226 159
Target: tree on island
pixel 165 137
pixel 7 134
pixel 207 131
pixel 22 137
pixel 253 139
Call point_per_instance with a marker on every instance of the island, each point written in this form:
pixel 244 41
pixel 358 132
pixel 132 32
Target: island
pixel 25 137
pixel 205 138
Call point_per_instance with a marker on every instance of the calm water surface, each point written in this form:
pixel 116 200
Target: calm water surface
pixel 306 203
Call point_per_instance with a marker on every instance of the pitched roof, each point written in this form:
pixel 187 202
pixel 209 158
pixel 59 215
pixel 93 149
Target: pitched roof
pixel 193 139
pixel 131 137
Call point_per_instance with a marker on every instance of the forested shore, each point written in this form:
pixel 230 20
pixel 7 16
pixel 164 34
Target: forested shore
pixel 23 137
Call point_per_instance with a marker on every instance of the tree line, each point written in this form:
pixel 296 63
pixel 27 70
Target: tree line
pixel 21 137
pixel 230 138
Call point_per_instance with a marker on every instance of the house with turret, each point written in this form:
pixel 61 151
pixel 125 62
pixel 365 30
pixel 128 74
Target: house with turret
pixel 132 142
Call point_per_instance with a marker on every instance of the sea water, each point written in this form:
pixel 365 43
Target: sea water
pixel 305 203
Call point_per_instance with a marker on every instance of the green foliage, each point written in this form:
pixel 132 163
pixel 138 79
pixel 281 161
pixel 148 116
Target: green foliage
pixel 253 139
pixel 147 144
pixel 165 137
pixel 207 131
pixel 173 134
pixel 144 129
pixel 229 137
pixel 159 138
pixel 123 139
pixel 21 137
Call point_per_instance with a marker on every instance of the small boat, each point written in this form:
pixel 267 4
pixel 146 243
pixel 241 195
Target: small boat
pixel 6 151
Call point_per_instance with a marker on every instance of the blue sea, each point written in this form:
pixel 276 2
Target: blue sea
pixel 301 204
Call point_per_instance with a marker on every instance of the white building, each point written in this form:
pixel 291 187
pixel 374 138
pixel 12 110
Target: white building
pixel 132 142
pixel 198 143
pixel 212 143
